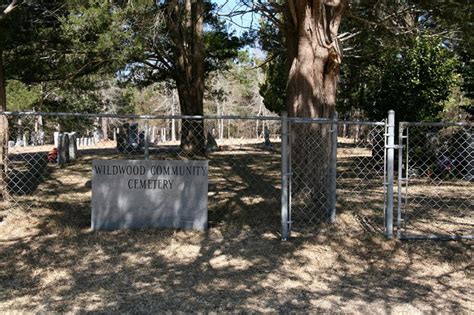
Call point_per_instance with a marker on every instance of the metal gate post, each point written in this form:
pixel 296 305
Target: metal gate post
pixel 401 178
pixel 284 177
pixel 390 161
pixel 333 171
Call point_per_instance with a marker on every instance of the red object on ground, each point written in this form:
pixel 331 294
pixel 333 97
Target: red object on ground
pixel 53 155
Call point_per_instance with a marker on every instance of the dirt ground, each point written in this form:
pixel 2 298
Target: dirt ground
pixel 50 268
pixel 50 260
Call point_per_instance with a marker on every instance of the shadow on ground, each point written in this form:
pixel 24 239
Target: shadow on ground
pixel 58 265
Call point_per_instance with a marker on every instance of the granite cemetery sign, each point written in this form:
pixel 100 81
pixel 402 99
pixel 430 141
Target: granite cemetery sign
pixel 137 194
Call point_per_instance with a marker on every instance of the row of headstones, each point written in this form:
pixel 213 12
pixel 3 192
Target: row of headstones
pixel 36 138
pixel 80 142
pixel 159 135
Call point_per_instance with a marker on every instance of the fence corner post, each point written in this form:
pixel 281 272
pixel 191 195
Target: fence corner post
pixel 333 170
pixel 284 177
pixel 389 168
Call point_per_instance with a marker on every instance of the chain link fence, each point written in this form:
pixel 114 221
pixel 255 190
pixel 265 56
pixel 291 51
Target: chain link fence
pixel 330 168
pixel 436 182
pixel 49 160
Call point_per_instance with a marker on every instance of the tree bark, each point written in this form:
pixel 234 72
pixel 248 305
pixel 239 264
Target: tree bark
pixel 313 56
pixel 3 128
pixel 187 24
pixel 313 60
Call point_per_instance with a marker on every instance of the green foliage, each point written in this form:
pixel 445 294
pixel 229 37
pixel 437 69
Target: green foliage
pixel 151 50
pixel 409 56
pixel 30 41
pixel 97 41
pixel 22 97
pixel 273 89
pixel 415 81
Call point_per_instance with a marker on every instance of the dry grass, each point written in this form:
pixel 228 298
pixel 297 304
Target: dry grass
pixel 52 262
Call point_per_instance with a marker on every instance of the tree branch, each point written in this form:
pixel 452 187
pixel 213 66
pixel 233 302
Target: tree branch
pixel 9 9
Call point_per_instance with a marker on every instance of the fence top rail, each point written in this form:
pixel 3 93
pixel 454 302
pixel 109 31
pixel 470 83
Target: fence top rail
pixel 435 124
pixel 197 117
pixel 298 120
pixel 143 117
pixel 361 122
pixel 333 121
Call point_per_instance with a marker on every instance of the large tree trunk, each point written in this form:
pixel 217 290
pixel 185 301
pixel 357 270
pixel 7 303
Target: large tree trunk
pixel 188 30
pixel 3 128
pixel 192 130
pixel 313 57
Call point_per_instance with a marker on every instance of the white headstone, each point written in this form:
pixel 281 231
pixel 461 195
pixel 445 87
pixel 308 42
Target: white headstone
pixel 153 134
pixel 163 135
pixel 138 194
pixel 56 139
pixel 96 136
pixel 41 137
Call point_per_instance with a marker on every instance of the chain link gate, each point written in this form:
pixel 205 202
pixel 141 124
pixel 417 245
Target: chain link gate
pixel 435 182
pixel 333 166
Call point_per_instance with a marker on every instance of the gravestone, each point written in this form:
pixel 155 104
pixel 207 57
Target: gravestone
pixel 141 139
pixel 153 135
pixel 63 149
pixel 121 142
pixel 56 139
pixel 96 137
pixel 211 144
pixel 133 136
pixel 139 194
pixel 41 137
pixel 72 146
pixel 163 134
pixel 34 138
pixel 268 144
